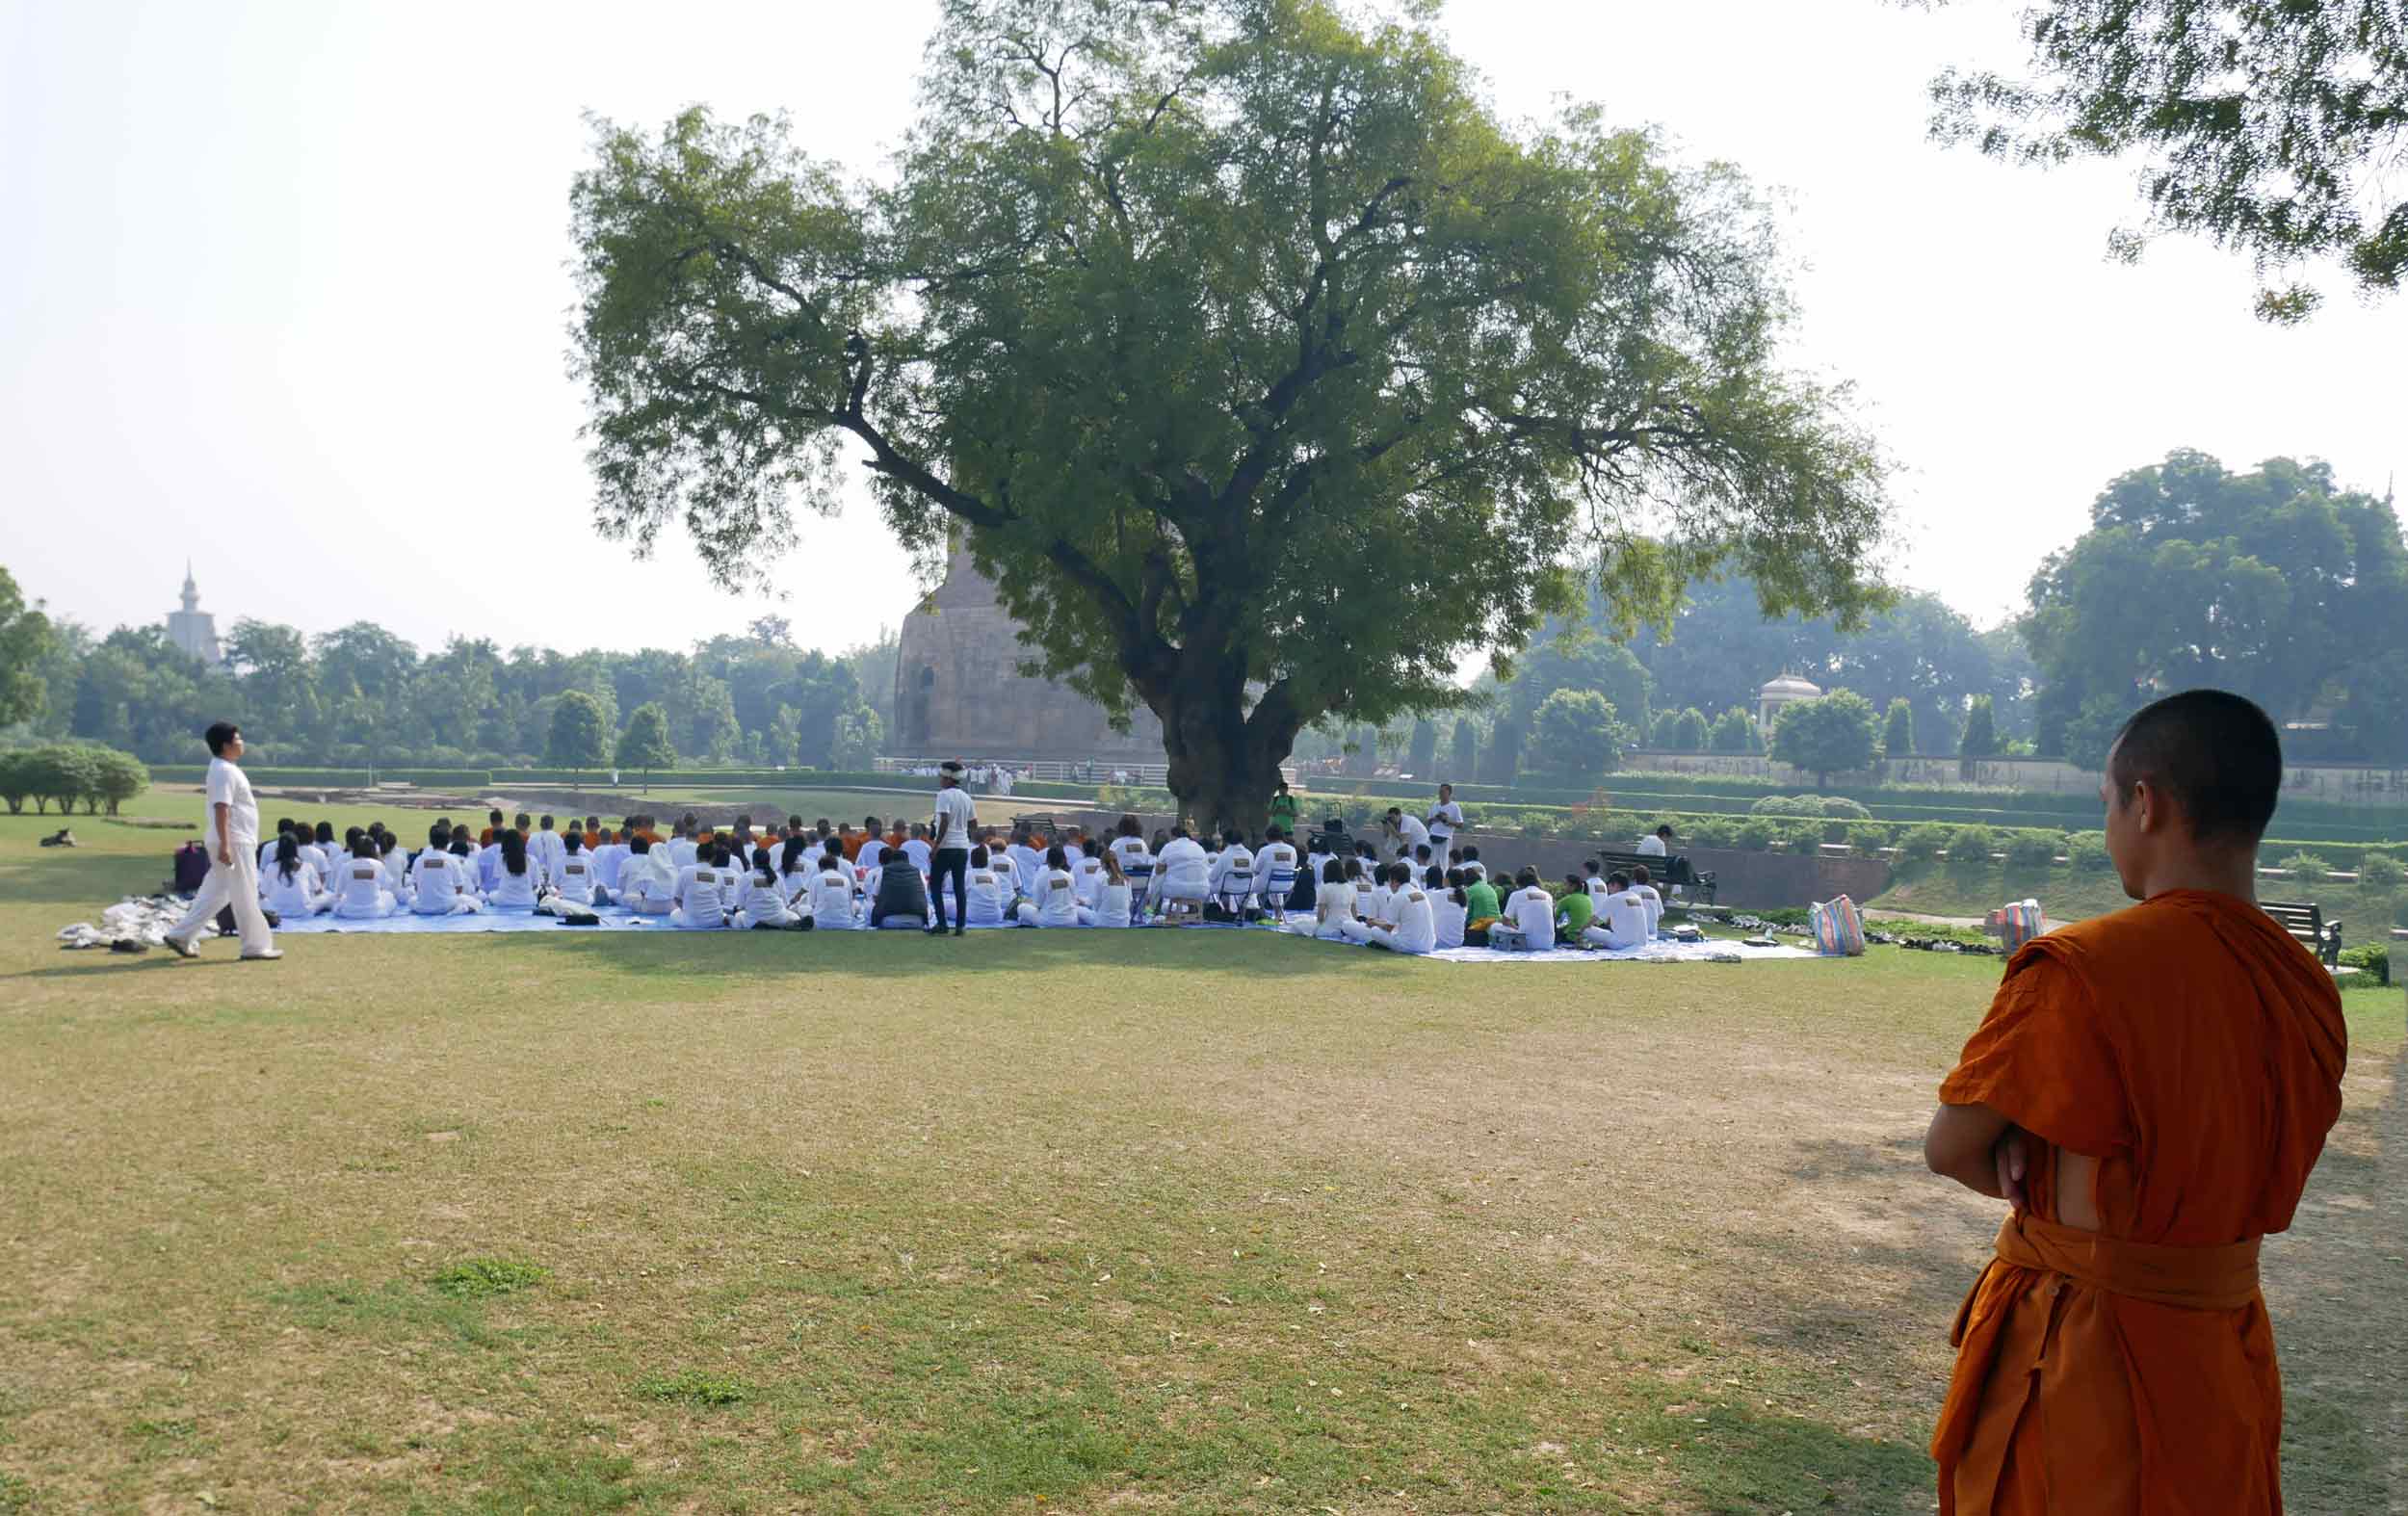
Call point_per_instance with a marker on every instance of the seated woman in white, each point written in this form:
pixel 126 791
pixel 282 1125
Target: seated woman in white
pixel 1231 881
pixel 575 879
pixel 1182 878
pixel 1333 906
pixel 1528 924
pixel 760 903
pixel 291 886
pixel 1086 874
pixel 831 894
pixel 1453 912
pixel 360 892
pixel 1056 900
pixel 700 897
pixel 645 880
pixel 396 866
pixel 1621 918
pixel 517 883
pixel 1111 902
pixel 798 865
pixel 990 894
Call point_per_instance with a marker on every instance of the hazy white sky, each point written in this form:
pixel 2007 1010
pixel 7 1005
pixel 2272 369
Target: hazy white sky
pixel 284 288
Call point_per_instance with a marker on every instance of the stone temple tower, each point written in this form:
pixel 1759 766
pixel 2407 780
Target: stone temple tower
pixel 193 629
pixel 958 692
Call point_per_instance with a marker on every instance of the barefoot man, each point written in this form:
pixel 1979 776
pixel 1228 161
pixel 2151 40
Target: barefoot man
pixel 2148 1092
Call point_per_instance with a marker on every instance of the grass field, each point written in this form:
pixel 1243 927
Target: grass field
pixel 1176 1221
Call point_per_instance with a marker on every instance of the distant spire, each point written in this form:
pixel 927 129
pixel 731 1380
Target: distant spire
pixel 191 590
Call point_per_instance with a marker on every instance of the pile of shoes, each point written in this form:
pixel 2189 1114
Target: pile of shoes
pixel 135 924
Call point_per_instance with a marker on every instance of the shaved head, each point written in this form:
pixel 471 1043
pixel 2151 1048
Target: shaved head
pixel 2215 756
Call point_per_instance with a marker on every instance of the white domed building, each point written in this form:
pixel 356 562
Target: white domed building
pixel 1784 691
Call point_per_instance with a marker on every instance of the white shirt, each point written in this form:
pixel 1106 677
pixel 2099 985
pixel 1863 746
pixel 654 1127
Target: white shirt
pixel 1130 851
pixel 873 854
pixel 517 889
pixel 1334 904
pixel 988 895
pixel 1445 820
pixel 1111 905
pixel 1233 872
pixel 1411 834
pixel 298 896
pixel 363 884
pixel 700 891
pixel 919 853
pixel 831 897
pixel 649 875
pixel 1276 862
pixel 956 818
pixel 759 902
pixel 1626 919
pixel 1533 911
pixel 546 849
pixel 1057 899
pixel 437 880
pixel 609 861
pixel 574 876
pixel 1417 924
pixel 1088 874
pixel 1655 904
pixel 1451 918
pixel 1027 863
pixel 1182 864
pixel 228 786
pixel 1651 846
pixel 396 868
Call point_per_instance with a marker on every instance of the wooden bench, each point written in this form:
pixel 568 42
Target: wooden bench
pixel 1696 889
pixel 2307 923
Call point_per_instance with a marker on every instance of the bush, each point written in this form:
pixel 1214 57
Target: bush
pixel 1788 805
pixel 2033 849
pixel 1755 834
pixel 2372 958
pixel 1866 839
pixel 1840 806
pixel 1922 843
pixel 1710 831
pixel 2087 852
pixel 2305 866
pixel 1971 846
pixel 1801 837
pixel 2381 873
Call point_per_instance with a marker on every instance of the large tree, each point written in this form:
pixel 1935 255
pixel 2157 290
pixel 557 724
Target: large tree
pixel 25 641
pixel 1263 367
pixel 1832 735
pixel 2274 128
pixel 2276 583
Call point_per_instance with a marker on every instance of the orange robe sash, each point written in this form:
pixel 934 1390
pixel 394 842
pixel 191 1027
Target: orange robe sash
pixel 2222 1278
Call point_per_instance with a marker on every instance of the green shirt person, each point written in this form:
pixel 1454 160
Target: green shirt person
pixel 1575 911
pixel 1480 901
pixel 1283 809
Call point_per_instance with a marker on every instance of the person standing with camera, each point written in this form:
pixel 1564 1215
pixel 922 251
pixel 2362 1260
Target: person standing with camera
pixel 233 843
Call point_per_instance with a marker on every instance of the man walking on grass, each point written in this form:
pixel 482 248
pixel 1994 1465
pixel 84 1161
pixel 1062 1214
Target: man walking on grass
pixel 2148 1092
pixel 233 832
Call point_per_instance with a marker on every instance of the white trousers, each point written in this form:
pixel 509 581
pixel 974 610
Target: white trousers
pixel 430 904
pixel 1381 936
pixel 1599 937
pixel 236 885
pixel 712 920
pixel 385 906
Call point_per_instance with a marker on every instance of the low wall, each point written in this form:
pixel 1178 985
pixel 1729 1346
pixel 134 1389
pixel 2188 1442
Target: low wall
pixel 2340 784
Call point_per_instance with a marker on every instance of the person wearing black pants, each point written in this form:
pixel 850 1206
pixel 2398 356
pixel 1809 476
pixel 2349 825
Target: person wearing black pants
pixel 956 818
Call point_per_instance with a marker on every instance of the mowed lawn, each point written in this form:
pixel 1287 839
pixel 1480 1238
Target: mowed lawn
pixel 1030 1222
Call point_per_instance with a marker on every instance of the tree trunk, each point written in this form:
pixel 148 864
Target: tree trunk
pixel 1222 764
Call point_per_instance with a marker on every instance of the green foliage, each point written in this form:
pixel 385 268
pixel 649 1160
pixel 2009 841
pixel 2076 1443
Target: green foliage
pixel 2372 958
pixel 2264 128
pixel 1920 844
pixel 1734 731
pixel 2087 852
pixel 117 777
pixel 1576 737
pixel 2033 849
pixel 2278 584
pixel 1421 754
pixel 1755 834
pixel 1691 732
pixel 859 737
pixel 1971 846
pixel 2305 869
pixel 2381 873
pixel 1801 836
pixel 60 775
pixel 1271 240
pixel 26 640
pixel 646 744
pixel 1827 736
pixel 1710 831
pixel 1845 807
pixel 16 778
pixel 1897 732
pixel 1788 805
pixel 1868 839
pixel 1980 739
pixel 1464 751
pixel 694 1387
pixel 481 1278
pixel 578 738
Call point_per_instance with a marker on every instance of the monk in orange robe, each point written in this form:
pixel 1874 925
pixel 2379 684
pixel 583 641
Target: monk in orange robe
pixel 2149 1091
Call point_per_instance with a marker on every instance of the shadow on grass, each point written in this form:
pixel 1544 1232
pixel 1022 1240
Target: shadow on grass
pixel 80 881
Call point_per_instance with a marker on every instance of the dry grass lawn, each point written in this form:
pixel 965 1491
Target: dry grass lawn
pixel 1035 1223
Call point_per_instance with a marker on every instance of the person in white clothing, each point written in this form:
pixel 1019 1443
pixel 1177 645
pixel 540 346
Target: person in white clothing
pixel 1445 820
pixel 1333 906
pixel 1528 924
pixel 796 868
pixel 1055 902
pixel 1405 832
pixel 547 847
pixel 1642 886
pixel 292 887
pixel 360 892
pixel 699 898
pixel 1231 877
pixel 395 863
pixel 1137 861
pixel 951 822
pixel 916 847
pixel 831 893
pixel 1415 926
pixel 1110 903
pixel 645 880
pixel 1655 844
pixel 1026 862
pixel 1371 891
pixel 574 877
pixel 1274 871
pixel 1182 878
pixel 1452 910
pixel 760 902
pixel 873 853
pixel 518 883
pixel 441 883
pixel 683 850
pixel 990 893
pixel 610 861
pixel 1622 918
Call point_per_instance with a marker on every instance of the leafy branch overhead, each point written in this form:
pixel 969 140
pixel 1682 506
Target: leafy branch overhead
pixel 1266 370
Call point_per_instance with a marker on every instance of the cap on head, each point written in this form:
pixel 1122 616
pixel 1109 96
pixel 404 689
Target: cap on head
pixel 2212 754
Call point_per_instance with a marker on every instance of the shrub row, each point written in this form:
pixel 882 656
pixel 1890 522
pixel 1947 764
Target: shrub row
pixel 62 775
